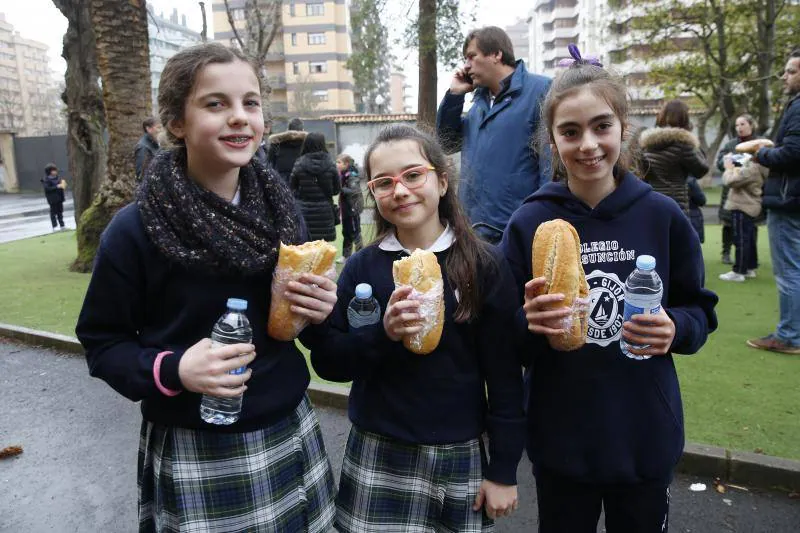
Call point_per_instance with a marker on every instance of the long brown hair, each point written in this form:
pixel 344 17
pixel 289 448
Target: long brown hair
pixel 674 114
pixel 468 255
pixel 601 83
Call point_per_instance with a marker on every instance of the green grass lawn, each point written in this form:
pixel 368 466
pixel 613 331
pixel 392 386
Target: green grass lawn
pixel 734 396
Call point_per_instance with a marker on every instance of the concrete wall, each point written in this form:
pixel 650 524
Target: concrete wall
pixel 355 137
pixel 33 153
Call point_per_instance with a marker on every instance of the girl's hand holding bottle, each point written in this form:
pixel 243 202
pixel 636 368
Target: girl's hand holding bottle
pixel 500 500
pixel 400 312
pixel 312 297
pixel 542 319
pixel 206 370
pixel 657 331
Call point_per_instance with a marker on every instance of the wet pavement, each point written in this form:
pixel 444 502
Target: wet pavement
pixel 27 215
pixel 78 469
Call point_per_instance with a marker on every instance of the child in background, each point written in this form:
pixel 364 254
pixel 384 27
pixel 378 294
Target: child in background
pixel 54 187
pixel 351 203
pixel 414 459
pixel 605 431
pixel 744 184
pixel 207 225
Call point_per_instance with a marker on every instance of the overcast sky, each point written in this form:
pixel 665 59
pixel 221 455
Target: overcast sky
pixel 40 20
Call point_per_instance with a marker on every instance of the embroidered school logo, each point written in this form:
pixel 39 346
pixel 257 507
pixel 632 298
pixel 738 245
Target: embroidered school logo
pixel 606 300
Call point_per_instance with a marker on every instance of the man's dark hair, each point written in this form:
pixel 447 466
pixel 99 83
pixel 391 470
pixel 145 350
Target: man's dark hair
pixel 149 122
pixel 491 40
pixel 49 168
pixel 296 124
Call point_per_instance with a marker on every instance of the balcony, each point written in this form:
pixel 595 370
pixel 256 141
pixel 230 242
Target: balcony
pixel 277 81
pixel 553 53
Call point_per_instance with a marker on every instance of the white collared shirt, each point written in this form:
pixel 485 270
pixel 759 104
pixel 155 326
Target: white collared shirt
pixel 442 243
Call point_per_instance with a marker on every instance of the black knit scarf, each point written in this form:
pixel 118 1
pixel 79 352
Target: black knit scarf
pixel 195 228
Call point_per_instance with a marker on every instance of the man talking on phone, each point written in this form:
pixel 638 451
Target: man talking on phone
pixel 499 165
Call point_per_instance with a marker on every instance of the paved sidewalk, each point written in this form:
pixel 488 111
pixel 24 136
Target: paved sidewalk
pixel 78 470
pixel 28 215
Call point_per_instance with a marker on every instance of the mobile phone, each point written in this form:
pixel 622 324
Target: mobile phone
pixel 467 78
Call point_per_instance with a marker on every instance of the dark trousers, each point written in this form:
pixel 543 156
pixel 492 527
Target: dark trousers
pixel 57 213
pixel 744 238
pixel 351 233
pixel 727 238
pixel 567 506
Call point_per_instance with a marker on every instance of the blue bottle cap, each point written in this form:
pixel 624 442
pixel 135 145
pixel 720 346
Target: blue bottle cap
pixel 645 262
pixel 363 291
pixel 237 304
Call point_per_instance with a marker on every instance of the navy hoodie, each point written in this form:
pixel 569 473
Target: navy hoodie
pixel 439 398
pixel 595 415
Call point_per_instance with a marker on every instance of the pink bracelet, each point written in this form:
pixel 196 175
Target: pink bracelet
pixel 157 375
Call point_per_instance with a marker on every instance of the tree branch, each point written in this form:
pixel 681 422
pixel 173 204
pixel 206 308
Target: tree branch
pixel 233 25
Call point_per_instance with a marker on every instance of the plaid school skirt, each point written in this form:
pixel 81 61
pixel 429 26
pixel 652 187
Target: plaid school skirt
pixel 273 480
pixel 388 486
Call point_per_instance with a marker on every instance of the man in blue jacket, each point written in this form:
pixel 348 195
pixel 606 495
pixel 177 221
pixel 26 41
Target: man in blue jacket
pixel 499 166
pixel 782 200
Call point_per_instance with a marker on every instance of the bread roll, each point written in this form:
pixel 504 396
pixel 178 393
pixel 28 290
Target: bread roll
pixel 751 147
pixel 421 271
pixel 557 258
pixel 315 257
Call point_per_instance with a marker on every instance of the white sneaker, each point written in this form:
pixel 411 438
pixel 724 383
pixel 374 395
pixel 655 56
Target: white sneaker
pixel 750 274
pixel 732 276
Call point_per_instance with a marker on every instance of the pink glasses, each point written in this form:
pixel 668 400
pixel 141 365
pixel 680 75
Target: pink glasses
pixel 413 178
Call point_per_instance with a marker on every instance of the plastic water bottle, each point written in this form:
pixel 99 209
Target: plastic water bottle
pixel 231 328
pixel 643 290
pixel 363 309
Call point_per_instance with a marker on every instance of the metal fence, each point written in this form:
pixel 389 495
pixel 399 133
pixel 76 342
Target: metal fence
pixel 32 154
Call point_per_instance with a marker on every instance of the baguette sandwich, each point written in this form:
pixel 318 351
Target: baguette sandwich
pixel 421 271
pixel 315 257
pixel 557 258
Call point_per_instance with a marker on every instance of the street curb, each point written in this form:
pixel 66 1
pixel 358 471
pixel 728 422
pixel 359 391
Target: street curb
pixel 730 466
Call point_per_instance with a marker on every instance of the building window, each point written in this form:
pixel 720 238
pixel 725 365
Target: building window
pixel 295 68
pixel 316 38
pixel 320 96
pixel 291 9
pixel 317 67
pixel 315 10
pixel 237 13
pixel 294 39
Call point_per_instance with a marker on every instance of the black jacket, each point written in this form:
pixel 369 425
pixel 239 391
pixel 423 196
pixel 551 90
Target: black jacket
pixel 782 188
pixel 314 182
pixel 145 149
pixel 52 192
pixel 670 156
pixel 352 198
pixel 283 150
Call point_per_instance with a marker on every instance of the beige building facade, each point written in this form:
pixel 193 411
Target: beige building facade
pixel 29 93
pixel 306 65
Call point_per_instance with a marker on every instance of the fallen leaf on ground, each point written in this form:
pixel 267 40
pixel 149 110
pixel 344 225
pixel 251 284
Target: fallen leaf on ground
pixel 10 451
pixel 758 450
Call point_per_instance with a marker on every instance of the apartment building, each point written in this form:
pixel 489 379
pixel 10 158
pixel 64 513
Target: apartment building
pixel 600 28
pixel 398 92
pixel 167 36
pixel 518 33
pixel 306 65
pixel 30 103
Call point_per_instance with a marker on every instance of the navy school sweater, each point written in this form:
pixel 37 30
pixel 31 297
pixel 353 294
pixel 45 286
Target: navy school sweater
pixel 595 415
pixel 139 304
pixel 440 397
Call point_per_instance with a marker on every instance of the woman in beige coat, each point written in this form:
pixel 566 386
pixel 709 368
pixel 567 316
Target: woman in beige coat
pixel 744 203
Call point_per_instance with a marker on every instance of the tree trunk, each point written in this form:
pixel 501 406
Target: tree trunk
pixel 86 123
pixel 123 61
pixel 766 18
pixel 426 106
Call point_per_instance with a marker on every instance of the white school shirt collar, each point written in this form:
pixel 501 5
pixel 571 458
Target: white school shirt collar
pixel 237 197
pixel 442 243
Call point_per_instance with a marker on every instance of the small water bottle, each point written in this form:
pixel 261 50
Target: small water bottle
pixel 231 328
pixel 643 290
pixel 363 309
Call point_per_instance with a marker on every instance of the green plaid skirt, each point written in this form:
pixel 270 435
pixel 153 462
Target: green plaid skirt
pixel 273 480
pixel 388 486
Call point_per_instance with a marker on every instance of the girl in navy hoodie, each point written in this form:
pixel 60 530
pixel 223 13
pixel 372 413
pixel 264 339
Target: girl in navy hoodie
pixel 604 430
pixel 207 225
pixel 414 459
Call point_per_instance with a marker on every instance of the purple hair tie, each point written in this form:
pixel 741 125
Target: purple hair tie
pixel 577 59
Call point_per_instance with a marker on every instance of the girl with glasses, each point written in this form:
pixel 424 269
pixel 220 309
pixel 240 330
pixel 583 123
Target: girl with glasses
pixel 414 459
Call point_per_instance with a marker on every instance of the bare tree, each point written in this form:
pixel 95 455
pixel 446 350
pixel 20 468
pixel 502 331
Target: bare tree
pixel 304 102
pixel 10 106
pixel 86 121
pixel 123 60
pixel 263 22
